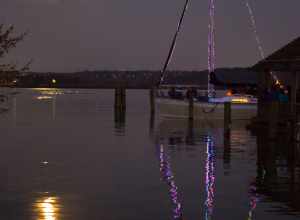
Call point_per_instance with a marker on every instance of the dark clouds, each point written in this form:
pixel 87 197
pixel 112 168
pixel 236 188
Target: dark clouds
pixel 71 35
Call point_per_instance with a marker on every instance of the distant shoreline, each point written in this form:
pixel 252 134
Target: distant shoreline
pixel 129 79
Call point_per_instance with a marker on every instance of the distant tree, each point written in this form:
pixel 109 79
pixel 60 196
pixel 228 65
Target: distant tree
pixel 8 41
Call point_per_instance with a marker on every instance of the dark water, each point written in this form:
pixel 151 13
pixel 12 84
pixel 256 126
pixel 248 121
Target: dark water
pixel 65 154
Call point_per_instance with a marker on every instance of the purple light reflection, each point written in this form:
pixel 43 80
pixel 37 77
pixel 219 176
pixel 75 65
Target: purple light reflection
pixel 168 177
pixel 209 178
pixel 254 199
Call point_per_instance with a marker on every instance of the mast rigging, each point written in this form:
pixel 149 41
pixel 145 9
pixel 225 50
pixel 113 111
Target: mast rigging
pixel 173 44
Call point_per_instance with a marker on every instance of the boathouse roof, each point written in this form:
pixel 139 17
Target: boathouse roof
pixel 285 59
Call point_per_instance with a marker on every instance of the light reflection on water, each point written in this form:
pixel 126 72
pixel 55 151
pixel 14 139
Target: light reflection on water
pixel 120 121
pixel 169 178
pixel 168 175
pixel 102 159
pixel 47 208
pixel 209 178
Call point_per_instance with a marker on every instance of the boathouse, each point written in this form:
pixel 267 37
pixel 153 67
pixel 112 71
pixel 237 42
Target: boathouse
pixel 282 68
pixel 283 64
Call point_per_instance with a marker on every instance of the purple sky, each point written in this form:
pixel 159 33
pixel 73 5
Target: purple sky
pixel 74 35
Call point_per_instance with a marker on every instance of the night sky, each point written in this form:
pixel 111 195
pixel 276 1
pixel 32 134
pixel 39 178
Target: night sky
pixel 75 35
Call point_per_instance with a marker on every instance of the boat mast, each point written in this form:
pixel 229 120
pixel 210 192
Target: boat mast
pixel 211 47
pixel 173 44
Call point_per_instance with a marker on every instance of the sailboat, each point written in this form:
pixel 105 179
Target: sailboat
pixel 243 106
pixel 211 104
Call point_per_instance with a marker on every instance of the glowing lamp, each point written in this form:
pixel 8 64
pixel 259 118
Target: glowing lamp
pixel 228 93
pixel 53 81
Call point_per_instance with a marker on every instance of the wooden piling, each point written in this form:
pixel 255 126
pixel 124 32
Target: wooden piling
pixel 227 153
pixel 227 119
pixel 273 114
pixel 120 98
pixel 190 136
pixel 265 83
pixel 294 89
pixel 151 124
pixel 152 100
pixel 120 108
pixel 120 118
pixel 117 98
pixel 124 98
pixel 191 107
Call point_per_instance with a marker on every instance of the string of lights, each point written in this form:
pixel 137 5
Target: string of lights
pixel 257 38
pixel 211 46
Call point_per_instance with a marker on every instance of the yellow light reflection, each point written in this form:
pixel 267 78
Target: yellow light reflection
pixel 42 89
pixel 47 208
pixel 49 91
pixel 43 97
pixel 240 100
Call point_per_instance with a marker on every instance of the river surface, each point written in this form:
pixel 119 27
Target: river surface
pixel 66 155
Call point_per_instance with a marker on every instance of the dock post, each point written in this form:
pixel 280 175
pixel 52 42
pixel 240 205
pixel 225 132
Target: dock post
pixel 120 109
pixel 226 154
pixel 123 98
pixel 117 98
pixel 227 144
pixel 294 89
pixel 152 95
pixel 191 106
pixel 151 124
pixel 152 100
pixel 120 98
pixel 227 119
pixel 120 119
pixel 273 111
pixel 190 136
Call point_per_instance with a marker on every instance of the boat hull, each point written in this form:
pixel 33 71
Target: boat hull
pixel 172 108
